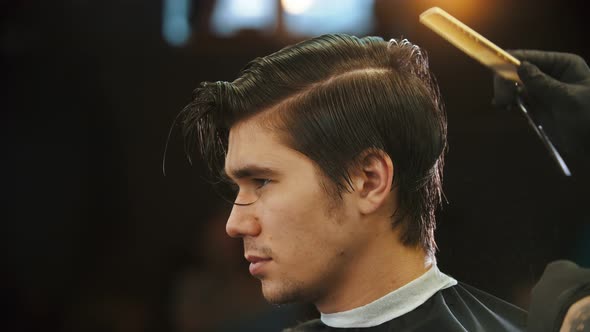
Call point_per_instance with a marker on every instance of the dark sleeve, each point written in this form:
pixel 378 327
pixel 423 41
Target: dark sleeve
pixel 561 285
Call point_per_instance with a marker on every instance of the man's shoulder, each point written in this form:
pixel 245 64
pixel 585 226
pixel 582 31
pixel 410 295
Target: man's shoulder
pixel 311 325
pixel 462 308
pixel 457 308
pixel 476 298
pixel 474 309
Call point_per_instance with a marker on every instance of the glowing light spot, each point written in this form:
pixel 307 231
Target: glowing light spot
pixel 176 29
pixel 331 16
pixel 295 7
pixel 231 16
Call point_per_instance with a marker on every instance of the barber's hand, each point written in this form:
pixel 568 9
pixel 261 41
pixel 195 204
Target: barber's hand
pixel 557 91
pixel 577 317
pixel 563 283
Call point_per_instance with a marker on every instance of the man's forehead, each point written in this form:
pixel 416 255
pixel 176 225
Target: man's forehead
pixel 253 149
pixel 254 164
pixel 249 137
pixel 250 170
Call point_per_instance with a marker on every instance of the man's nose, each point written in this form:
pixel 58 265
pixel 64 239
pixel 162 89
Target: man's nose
pixel 242 222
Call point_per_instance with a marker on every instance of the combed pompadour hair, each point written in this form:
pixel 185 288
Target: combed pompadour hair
pixel 332 98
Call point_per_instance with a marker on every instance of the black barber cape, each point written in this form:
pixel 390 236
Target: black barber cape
pixel 457 308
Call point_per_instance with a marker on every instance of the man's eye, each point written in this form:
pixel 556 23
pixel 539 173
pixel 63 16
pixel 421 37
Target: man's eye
pixel 261 182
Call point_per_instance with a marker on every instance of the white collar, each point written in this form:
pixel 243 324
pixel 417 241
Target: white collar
pixel 393 305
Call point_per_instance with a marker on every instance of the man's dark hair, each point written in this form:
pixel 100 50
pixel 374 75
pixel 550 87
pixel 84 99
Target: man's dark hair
pixel 334 98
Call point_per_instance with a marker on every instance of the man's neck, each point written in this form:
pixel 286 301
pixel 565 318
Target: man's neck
pixel 385 266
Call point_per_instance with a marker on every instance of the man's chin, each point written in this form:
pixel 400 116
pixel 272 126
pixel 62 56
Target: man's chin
pixel 282 293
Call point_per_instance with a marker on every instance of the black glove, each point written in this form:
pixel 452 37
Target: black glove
pixel 562 284
pixel 557 91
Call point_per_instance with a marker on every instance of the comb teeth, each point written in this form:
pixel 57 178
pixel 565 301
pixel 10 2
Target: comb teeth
pixel 471 42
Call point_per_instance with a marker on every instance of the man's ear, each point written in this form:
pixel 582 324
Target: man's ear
pixel 373 180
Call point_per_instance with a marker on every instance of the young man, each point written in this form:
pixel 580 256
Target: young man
pixel 336 147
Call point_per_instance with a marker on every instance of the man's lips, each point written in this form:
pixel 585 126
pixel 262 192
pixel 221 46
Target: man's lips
pixel 257 263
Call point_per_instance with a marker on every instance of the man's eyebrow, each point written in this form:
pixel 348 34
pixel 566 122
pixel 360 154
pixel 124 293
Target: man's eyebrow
pixel 248 171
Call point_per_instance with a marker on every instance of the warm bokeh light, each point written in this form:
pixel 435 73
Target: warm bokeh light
pixel 295 7
pixel 467 11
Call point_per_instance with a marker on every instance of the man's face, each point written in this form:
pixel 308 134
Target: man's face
pixel 299 241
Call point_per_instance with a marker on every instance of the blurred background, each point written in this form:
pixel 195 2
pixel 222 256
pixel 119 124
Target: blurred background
pixel 101 240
